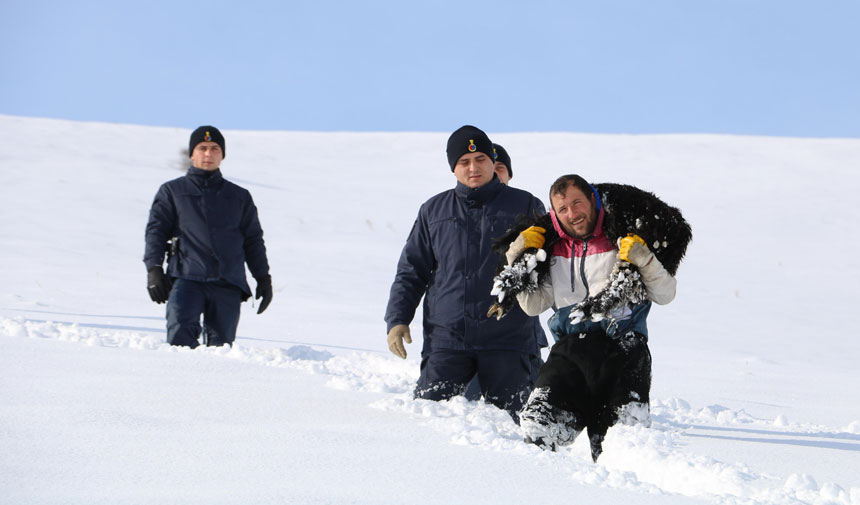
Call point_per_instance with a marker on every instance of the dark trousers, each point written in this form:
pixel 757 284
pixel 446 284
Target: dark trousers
pixel 587 380
pixel 504 376
pixel 217 303
pixel 473 390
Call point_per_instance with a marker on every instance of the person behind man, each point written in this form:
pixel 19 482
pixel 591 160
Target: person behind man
pixel 448 259
pixel 213 230
pixel 597 372
pixel 502 166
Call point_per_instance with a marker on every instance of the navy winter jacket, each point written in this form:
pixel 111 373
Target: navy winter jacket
pixel 218 229
pixel 448 259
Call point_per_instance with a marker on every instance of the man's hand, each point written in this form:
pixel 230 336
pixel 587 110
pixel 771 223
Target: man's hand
pixel 396 336
pixel 264 291
pixel 633 250
pixel 528 238
pixel 157 284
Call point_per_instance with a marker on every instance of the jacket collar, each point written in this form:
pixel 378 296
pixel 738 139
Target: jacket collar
pixel 481 195
pixel 205 178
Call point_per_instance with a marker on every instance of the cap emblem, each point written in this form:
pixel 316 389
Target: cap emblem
pixel 207 137
pixel 472 146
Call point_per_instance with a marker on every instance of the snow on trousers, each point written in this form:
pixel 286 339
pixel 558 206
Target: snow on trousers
pixel 505 377
pixel 588 381
pixel 219 303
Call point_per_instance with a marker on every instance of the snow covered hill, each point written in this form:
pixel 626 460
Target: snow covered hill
pixel 756 384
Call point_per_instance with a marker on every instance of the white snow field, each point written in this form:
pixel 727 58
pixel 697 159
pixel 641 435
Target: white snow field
pixel 756 390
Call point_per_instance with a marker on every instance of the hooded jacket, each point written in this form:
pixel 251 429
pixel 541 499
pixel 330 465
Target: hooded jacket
pixel 217 228
pixel 580 268
pixel 448 259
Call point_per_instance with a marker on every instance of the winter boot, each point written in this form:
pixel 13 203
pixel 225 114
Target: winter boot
pixel 596 441
pixel 546 425
pixel 541 442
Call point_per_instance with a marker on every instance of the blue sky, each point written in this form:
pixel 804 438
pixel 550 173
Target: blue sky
pixel 782 68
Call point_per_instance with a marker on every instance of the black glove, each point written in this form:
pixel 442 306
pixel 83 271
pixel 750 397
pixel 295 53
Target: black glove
pixel 158 285
pixel 264 291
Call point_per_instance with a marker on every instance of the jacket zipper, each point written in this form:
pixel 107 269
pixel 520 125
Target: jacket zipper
pixel 582 265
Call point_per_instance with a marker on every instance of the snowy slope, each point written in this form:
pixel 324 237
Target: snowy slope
pixel 756 383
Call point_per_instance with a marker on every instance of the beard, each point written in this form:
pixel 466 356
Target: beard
pixel 584 231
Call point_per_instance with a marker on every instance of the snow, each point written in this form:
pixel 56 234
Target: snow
pixel 756 393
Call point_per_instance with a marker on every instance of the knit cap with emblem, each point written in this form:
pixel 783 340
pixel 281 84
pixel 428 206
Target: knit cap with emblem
pixel 468 139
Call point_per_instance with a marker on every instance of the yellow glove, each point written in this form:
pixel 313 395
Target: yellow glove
pixel 530 237
pixel 396 336
pixel 533 237
pixel 633 250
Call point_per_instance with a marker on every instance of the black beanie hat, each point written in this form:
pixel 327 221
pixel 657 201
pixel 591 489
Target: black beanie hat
pixel 206 134
pixel 468 139
pixel 502 157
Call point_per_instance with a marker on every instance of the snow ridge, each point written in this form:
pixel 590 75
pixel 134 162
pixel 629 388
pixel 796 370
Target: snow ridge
pixel 652 460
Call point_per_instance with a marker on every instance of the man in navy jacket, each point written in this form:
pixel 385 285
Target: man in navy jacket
pixel 448 260
pixel 210 228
